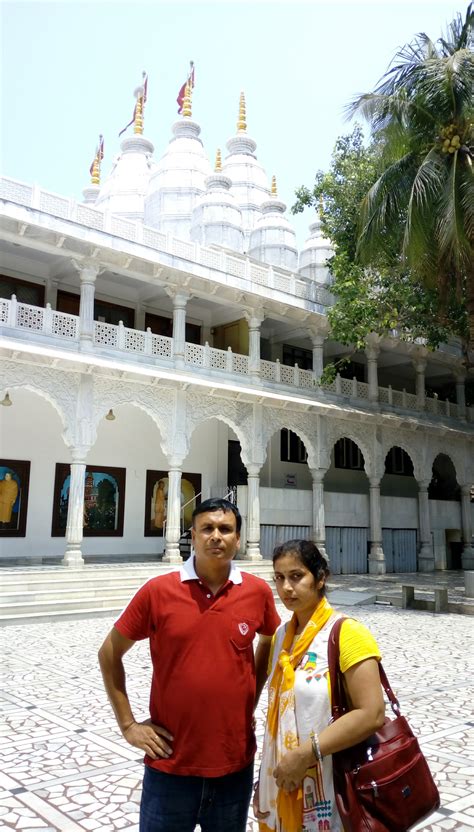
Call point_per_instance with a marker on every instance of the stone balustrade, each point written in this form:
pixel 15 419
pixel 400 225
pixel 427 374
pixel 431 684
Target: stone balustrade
pixel 235 264
pixel 30 323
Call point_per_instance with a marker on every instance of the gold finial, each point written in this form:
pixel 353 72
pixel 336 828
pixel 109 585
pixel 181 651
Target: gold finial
pixel 274 186
pixel 141 94
pixel 242 122
pixel 218 166
pixel 94 169
pixel 187 107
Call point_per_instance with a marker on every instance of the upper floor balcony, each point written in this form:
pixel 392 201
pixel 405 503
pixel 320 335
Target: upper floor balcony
pixel 44 327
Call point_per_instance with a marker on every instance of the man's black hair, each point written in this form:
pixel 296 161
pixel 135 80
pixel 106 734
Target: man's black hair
pixel 216 503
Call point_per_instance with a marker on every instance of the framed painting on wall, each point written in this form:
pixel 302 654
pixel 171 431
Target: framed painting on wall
pixel 156 500
pixel 14 482
pixel 104 500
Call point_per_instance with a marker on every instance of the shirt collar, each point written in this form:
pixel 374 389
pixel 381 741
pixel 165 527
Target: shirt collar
pixel 187 572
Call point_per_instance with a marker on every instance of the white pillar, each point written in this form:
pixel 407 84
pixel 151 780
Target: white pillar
pixel 88 275
pixel 318 356
pixel 319 525
pixel 372 352
pixel 173 517
pixel 253 514
pixel 426 562
pixel 420 366
pixel 468 550
pixel 52 292
pixel 376 557
pixel 179 328
pixel 75 512
pixel 140 317
pixel 461 394
pixel 254 323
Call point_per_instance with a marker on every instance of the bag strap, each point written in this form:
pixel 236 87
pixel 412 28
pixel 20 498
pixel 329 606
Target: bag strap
pixel 339 703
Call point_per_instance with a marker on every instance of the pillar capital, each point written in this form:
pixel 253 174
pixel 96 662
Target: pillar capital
pixel 374 482
pixel 372 348
pixel 88 270
pixel 254 317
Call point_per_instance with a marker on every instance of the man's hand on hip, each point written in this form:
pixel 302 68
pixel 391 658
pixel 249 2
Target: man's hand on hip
pixel 149 738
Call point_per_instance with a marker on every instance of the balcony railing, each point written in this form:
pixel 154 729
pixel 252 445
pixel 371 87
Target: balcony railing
pixel 28 322
pixel 237 265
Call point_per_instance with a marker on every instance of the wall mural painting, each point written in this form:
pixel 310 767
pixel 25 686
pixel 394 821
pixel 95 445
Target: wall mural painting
pixel 104 499
pixel 156 500
pixel 14 482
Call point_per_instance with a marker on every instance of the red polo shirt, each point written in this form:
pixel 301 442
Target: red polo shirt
pixel 203 686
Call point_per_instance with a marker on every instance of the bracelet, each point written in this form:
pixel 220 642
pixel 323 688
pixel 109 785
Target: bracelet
pixel 315 747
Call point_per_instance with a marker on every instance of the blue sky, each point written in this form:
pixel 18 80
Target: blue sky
pixel 69 69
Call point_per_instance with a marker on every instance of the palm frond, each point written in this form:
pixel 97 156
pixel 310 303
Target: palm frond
pixel 419 242
pixel 384 203
pixel 451 230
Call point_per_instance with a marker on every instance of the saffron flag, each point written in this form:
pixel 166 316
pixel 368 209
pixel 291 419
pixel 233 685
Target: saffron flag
pixel 182 92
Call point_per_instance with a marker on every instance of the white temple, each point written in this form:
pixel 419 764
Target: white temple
pixel 163 341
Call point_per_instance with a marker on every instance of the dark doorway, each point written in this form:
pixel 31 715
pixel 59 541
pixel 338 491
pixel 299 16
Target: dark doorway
pixel 236 470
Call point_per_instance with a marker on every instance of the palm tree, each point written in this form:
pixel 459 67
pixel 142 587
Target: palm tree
pixel 421 209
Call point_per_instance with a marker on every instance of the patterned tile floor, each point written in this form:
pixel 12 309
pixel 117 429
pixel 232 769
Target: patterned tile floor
pixel 65 768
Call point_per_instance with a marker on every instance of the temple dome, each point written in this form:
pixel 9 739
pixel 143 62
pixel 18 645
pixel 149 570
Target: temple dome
pixel 217 218
pixel 178 181
pixel 315 254
pixel 273 239
pixel 123 191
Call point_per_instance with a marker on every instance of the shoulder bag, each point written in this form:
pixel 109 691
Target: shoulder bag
pixel 383 784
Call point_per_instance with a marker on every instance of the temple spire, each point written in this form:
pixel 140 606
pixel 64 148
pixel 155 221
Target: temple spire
pixel 274 186
pixel 218 165
pixel 94 169
pixel 242 122
pixel 137 119
pixel 187 103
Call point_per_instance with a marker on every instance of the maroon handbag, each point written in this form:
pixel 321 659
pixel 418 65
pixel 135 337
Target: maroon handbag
pixel 383 784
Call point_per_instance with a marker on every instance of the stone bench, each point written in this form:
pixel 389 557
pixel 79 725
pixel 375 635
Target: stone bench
pixel 440 603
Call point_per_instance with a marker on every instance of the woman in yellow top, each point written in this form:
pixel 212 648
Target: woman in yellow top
pixel 295 792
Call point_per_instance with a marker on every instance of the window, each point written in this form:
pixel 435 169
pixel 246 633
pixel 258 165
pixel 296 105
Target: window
pixel 297 355
pixel 112 313
pixel 32 293
pixel 161 325
pixel 348 455
pixel 351 369
pixel 292 448
pixel 398 462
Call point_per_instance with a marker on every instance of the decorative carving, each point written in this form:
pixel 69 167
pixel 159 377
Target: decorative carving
pixel 238 415
pixel 399 439
pixel 363 436
pixel 303 424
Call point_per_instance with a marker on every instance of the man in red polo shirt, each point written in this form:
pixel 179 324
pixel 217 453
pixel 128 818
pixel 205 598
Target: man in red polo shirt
pixel 201 621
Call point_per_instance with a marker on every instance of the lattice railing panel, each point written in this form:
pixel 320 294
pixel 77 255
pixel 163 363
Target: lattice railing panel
pixel 16 192
pixel 105 334
pixel 281 282
pixel 235 267
pixel 183 249
pixel 306 379
pixel 211 258
pixel 411 401
pixel 302 289
pixel 259 274
pixel 161 346
pixel 86 215
pixel 268 370
pixel 287 374
pixel 65 326
pixel 56 205
pixel 384 395
pixel 346 387
pixel 123 228
pixel 240 363
pixel 194 354
pixel 397 398
pixel 4 310
pixel 29 317
pixel 362 390
pixel 217 359
pixel 134 340
pixel 153 238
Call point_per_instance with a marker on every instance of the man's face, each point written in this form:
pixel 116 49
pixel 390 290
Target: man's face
pixel 215 537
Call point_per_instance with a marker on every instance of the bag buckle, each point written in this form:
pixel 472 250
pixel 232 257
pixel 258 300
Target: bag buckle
pixel 375 789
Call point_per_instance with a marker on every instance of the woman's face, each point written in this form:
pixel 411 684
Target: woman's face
pixel 296 585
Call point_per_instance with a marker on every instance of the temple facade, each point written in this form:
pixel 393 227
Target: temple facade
pixel 163 341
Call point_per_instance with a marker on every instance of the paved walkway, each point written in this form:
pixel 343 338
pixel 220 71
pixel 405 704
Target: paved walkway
pixel 65 768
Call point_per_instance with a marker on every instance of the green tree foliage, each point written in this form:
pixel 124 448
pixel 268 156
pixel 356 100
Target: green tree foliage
pixel 377 299
pixel 400 211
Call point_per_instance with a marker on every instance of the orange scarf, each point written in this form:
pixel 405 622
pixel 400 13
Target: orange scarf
pixel 290 805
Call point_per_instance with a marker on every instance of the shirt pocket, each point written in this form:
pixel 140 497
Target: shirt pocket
pixel 242 632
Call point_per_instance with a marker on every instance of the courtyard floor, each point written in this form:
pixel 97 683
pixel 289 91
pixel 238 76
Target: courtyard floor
pixel 64 766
